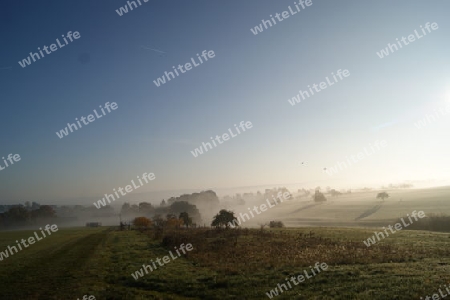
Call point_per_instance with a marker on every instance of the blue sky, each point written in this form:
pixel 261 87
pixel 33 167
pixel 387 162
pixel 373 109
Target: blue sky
pixel 250 79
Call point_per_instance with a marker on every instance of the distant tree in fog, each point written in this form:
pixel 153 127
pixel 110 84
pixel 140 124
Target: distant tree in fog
pixel 319 197
pixel 125 208
pixel 240 201
pixel 223 219
pixel 187 221
pixel 178 207
pixel 18 215
pixel 158 221
pixel 335 193
pixel 44 212
pixel 129 210
pixel 146 208
pixel 382 195
pixel 35 205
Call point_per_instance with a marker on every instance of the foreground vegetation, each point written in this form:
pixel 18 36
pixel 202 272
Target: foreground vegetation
pixel 225 264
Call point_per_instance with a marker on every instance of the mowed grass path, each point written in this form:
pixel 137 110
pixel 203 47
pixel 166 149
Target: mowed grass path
pixel 99 261
pixel 52 268
pixel 89 261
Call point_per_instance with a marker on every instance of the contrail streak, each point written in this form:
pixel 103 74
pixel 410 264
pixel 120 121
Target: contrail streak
pixel 153 49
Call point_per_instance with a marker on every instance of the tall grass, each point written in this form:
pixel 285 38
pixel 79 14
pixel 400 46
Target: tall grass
pixel 244 251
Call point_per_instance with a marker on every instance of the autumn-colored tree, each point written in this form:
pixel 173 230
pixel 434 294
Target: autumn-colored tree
pixel 174 223
pixel 142 222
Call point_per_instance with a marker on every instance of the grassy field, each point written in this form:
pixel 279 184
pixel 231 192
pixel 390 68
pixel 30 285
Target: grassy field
pixel 356 209
pixel 76 262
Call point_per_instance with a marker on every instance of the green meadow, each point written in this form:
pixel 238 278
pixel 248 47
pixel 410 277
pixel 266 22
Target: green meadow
pixel 227 264
pixel 244 263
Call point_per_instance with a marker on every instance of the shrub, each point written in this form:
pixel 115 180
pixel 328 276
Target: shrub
pixel 142 222
pixel 276 224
